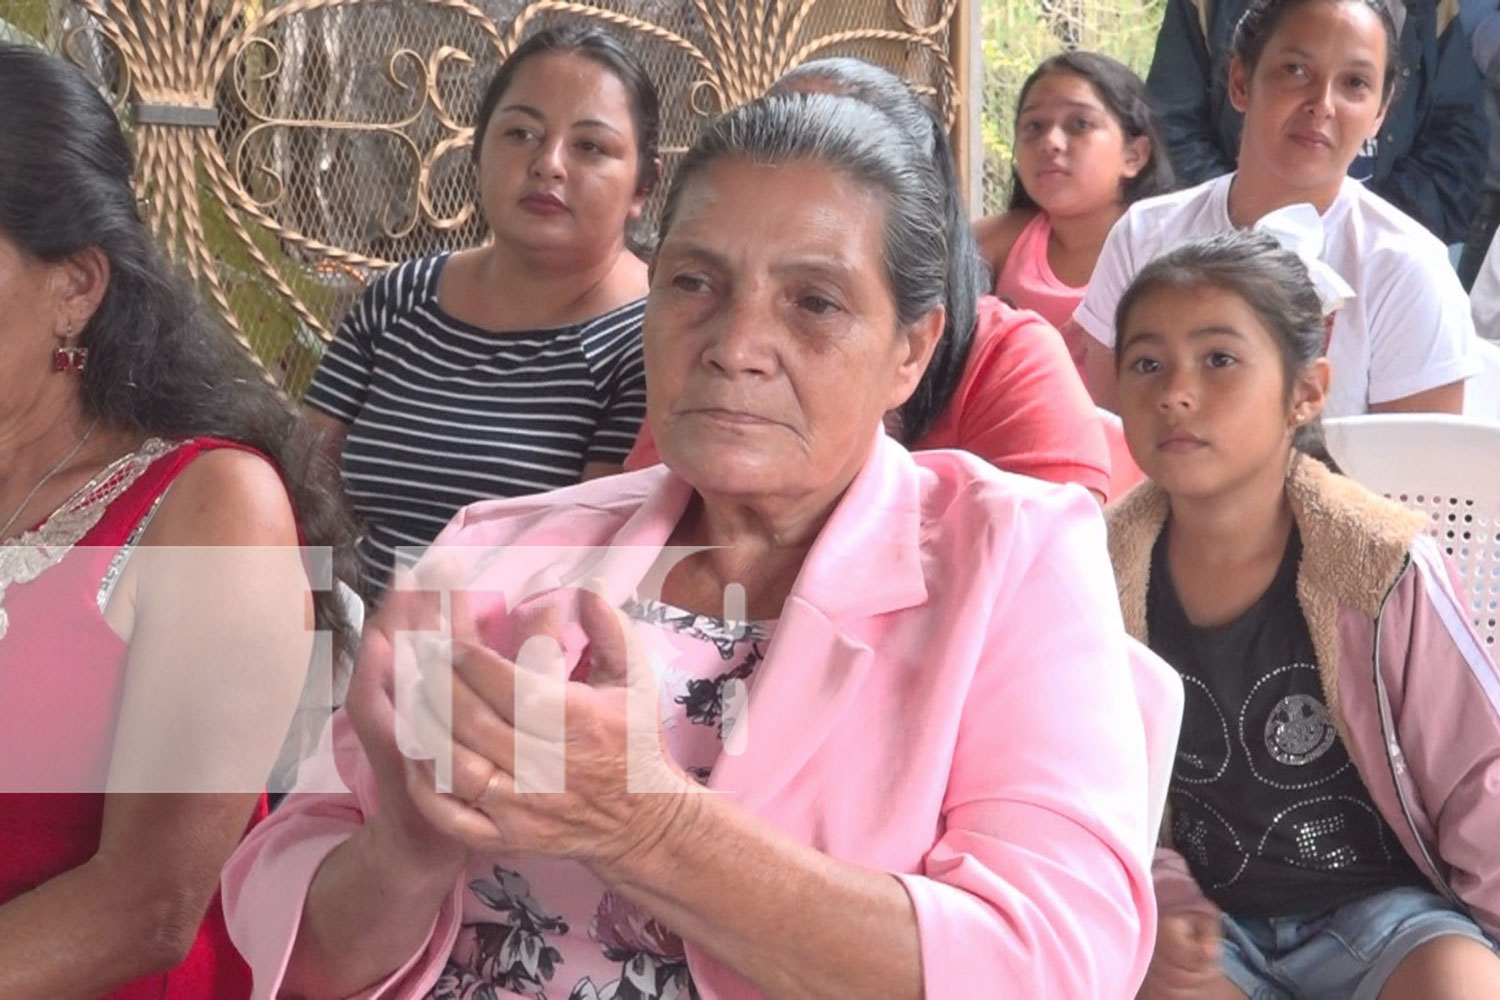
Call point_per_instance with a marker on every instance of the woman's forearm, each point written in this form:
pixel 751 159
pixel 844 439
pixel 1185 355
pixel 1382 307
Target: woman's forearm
pixel 131 910
pixel 790 919
pixel 88 931
pixel 365 915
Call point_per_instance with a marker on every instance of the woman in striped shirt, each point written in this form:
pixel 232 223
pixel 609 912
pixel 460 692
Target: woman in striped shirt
pixel 513 367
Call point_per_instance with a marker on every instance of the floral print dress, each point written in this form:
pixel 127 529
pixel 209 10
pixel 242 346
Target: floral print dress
pixel 548 929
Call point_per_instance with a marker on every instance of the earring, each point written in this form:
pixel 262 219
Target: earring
pixel 68 358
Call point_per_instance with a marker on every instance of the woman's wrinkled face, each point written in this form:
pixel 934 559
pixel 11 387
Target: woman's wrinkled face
pixel 772 343
pixel 28 313
pixel 559 168
pixel 41 305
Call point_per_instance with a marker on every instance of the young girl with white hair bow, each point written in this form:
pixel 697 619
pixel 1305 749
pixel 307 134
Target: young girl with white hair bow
pixel 1332 803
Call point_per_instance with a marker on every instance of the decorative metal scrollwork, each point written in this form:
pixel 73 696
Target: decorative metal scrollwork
pixel 287 150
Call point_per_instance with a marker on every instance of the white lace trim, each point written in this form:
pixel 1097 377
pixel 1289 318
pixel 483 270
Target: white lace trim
pixel 24 558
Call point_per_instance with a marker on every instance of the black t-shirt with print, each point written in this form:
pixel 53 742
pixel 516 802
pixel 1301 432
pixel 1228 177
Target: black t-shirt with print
pixel 1267 807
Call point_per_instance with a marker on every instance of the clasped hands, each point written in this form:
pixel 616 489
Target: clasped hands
pixel 542 764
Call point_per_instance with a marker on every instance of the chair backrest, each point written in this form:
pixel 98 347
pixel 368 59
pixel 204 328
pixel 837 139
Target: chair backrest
pixel 1158 692
pixel 1482 392
pixel 1447 467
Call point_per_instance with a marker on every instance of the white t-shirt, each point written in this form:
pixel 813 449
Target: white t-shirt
pixel 1408 329
pixel 1485 298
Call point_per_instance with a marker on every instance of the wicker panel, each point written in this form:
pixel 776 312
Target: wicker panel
pixel 288 150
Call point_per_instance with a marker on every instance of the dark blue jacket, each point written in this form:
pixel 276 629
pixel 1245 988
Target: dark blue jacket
pixel 1432 147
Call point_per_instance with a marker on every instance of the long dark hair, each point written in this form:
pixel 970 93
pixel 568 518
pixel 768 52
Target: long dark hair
pixel 157 366
pixel 1124 96
pixel 968 275
pixel 1270 279
pixel 595 43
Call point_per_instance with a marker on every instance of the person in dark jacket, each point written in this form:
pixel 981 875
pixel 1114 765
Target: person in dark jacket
pixel 1481 19
pixel 1429 157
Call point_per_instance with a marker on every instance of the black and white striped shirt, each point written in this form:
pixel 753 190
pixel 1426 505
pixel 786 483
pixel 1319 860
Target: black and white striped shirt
pixel 442 413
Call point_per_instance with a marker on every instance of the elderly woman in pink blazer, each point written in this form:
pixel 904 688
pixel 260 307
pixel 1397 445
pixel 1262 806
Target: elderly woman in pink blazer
pixel 798 714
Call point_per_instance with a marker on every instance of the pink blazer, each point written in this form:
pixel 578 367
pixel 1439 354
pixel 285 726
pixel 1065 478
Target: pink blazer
pixel 946 697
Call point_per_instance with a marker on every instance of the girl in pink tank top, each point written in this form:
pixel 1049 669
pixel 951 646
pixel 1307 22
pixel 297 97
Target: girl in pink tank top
pixel 1086 145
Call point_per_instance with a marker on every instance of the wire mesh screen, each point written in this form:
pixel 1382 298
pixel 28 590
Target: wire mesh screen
pixel 288 150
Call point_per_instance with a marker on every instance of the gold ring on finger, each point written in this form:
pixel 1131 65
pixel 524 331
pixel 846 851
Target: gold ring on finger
pixel 489 787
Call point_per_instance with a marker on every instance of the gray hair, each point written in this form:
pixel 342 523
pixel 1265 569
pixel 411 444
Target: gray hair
pixel 860 141
pixel 968 275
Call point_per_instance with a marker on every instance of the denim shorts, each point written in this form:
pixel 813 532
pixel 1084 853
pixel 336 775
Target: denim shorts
pixel 1348 952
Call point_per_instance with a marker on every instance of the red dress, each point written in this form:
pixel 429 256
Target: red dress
pixel 61 676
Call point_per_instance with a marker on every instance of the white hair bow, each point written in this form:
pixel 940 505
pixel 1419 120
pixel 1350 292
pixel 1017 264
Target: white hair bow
pixel 1299 228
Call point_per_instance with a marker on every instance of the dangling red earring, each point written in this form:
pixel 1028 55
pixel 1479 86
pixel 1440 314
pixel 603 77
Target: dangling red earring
pixel 67 358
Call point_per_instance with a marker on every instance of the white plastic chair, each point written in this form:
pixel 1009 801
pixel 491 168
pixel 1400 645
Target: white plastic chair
pixel 1482 392
pixel 1158 692
pixel 1447 467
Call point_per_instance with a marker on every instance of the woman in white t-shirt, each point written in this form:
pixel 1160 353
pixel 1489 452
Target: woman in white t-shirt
pixel 1314 79
pixel 1484 300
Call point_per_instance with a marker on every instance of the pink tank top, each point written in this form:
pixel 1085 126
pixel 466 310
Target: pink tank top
pixel 1027 279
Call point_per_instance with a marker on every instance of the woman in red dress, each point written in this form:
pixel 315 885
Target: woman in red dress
pixel 156 616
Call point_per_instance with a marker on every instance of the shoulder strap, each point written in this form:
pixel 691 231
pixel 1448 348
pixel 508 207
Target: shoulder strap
pixel 140 497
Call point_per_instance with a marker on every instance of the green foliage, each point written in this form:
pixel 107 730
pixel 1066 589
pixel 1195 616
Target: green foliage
pixel 24 19
pixel 1018 34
